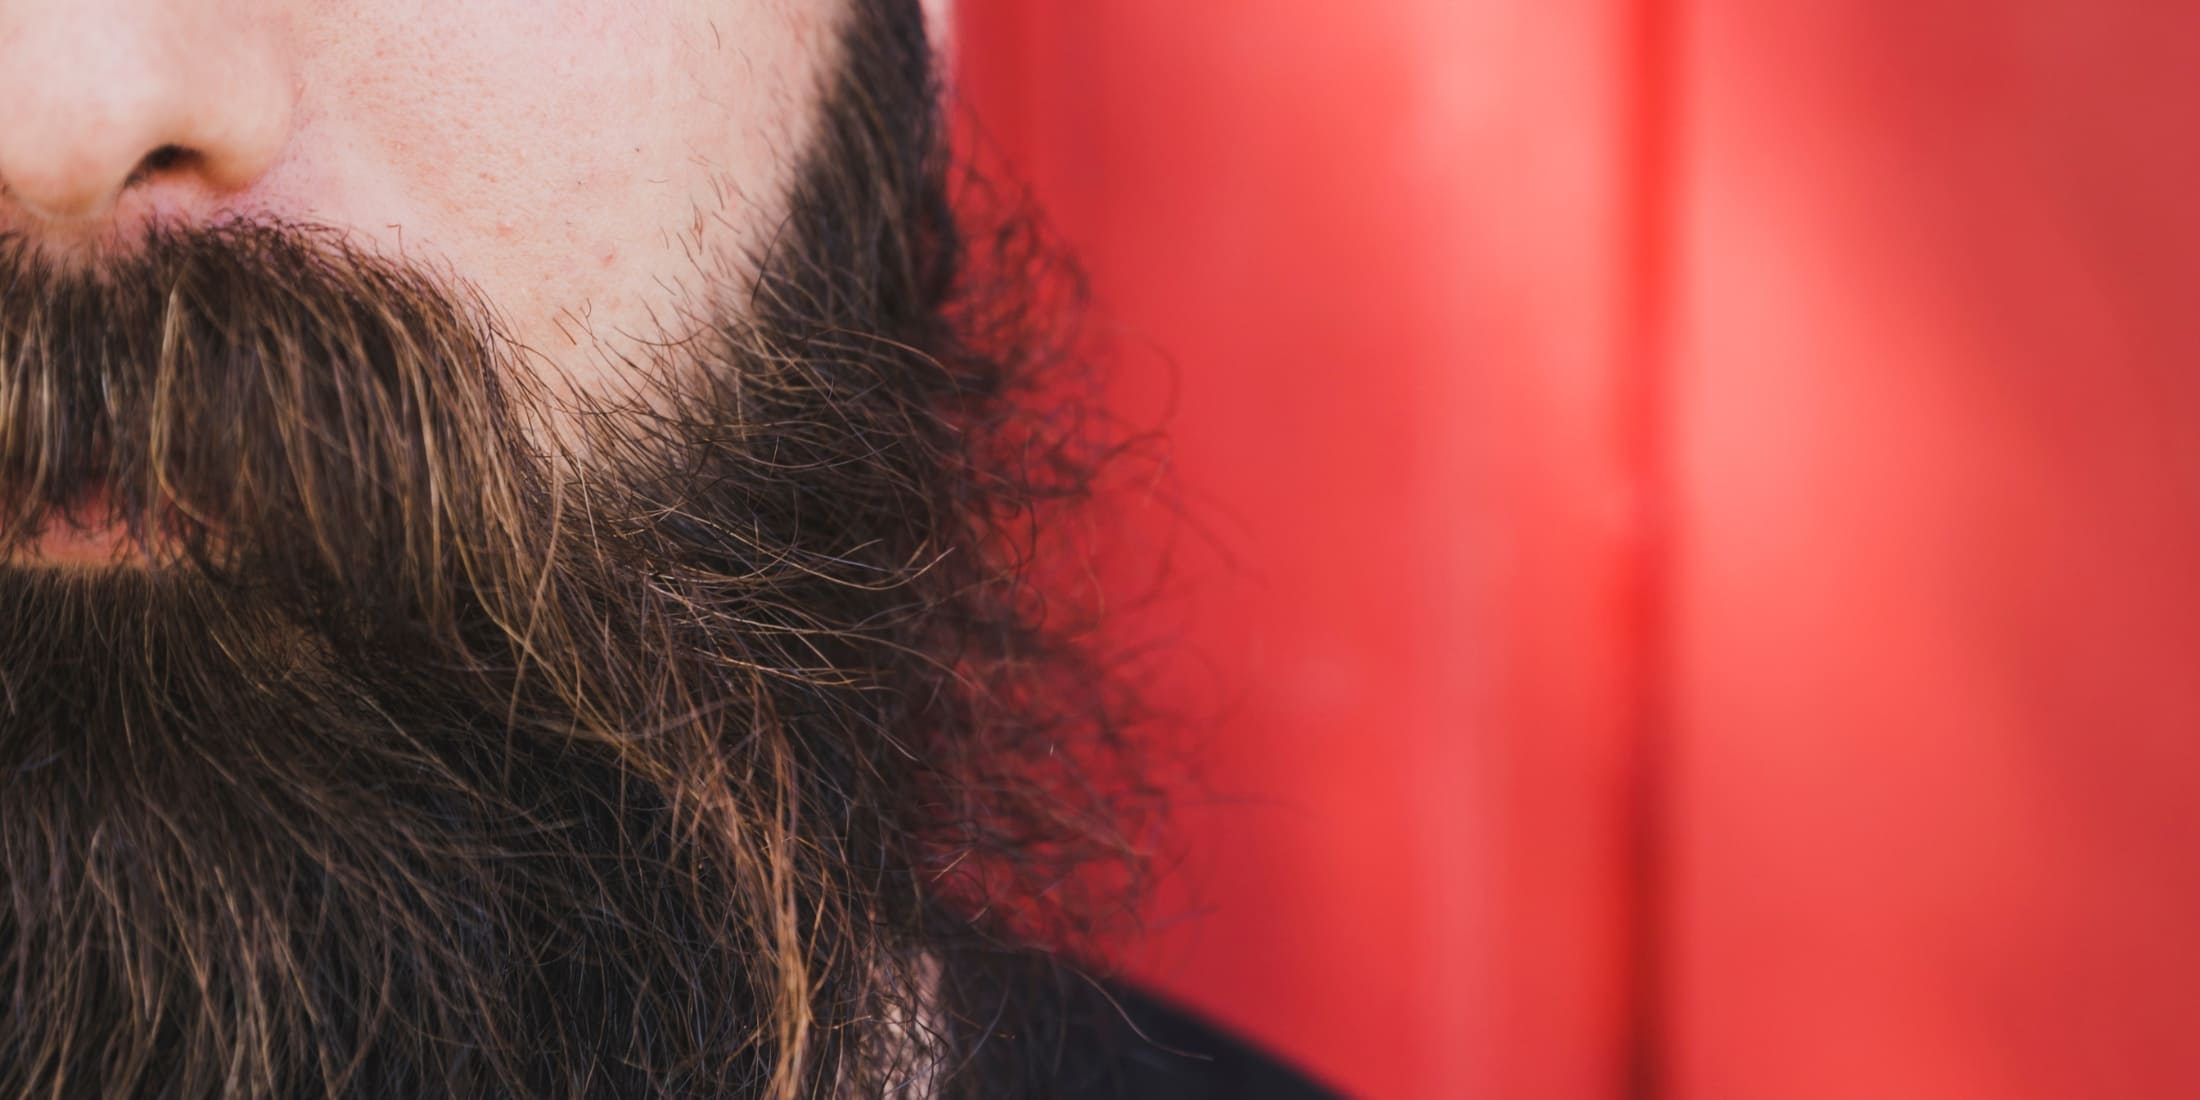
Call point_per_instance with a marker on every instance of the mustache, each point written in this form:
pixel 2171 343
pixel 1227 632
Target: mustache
pixel 257 392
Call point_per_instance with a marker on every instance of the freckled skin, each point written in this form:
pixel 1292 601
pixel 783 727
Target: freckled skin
pixel 516 139
pixel 575 159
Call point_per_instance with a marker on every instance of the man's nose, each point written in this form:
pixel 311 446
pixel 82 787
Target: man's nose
pixel 188 100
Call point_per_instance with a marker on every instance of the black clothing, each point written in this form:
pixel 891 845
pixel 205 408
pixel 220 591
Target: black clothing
pixel 1159 1051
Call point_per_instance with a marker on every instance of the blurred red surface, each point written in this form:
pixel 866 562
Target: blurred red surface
pixel 1710 498
pixel 1936 428
pixel 1410 877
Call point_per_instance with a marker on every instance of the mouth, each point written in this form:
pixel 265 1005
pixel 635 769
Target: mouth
pixel 87 534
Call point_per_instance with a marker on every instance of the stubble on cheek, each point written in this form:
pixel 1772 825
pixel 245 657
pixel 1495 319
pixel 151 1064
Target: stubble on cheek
pixel 595 169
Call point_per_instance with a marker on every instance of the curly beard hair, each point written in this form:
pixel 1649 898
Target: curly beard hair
pixel 469 739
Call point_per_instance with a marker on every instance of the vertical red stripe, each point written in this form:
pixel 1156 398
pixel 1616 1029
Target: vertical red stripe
pixel 1645 378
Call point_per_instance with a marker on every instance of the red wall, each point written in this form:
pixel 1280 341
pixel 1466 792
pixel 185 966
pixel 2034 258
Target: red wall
pixel 1936 657
pixel 1283 205
pixel 1711 496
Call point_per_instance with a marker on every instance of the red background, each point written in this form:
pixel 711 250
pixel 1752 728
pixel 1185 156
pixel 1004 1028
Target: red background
pixel 1712 505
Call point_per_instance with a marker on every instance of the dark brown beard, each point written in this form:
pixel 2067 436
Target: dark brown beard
pixel 714 748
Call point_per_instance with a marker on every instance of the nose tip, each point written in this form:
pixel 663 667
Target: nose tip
pixel 107 96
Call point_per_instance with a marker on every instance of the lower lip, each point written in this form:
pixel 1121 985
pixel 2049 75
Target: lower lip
pixel 86 535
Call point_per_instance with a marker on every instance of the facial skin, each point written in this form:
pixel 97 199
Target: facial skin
pixel 584 645
pixel 575 160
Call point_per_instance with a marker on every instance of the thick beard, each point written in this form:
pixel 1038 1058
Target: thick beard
pixel 710 744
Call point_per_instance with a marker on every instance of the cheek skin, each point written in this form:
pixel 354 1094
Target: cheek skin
pixel 578 160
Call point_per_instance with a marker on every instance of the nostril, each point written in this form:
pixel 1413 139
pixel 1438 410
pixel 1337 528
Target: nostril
pixel 167 158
